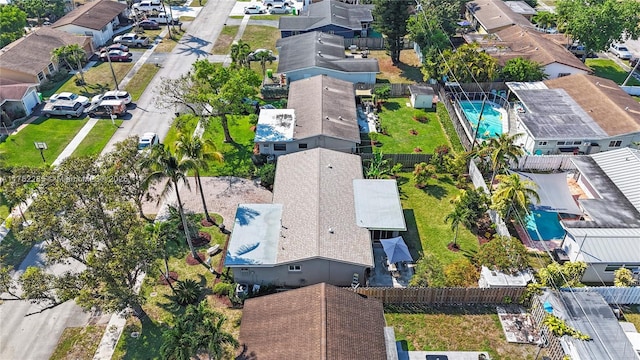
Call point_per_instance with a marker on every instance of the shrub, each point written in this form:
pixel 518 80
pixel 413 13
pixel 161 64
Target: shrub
pixel 222 288
pixel 187 292
pixel 267 174
pixel 449 130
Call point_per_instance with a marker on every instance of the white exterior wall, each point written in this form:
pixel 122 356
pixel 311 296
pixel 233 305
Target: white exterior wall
pixel 367 78
pixel 422 101
pixel 30 100
pixel 314 142
pixel 99 38
pixel 312 271
pixel 553 70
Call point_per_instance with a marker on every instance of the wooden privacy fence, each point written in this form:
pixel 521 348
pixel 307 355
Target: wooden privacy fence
pixel 372 43
pixel 408 161
pixel 443 296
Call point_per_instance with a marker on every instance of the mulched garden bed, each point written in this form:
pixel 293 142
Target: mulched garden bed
pixel 202 239
pixel 206 223
pixel 173 277
pixel 192 261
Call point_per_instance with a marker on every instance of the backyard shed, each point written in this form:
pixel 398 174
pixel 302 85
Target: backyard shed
pixel 421 96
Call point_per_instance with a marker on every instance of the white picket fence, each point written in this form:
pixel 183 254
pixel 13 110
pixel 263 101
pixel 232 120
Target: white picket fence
pixel 545 162
pixel 616 295
pixel 478 182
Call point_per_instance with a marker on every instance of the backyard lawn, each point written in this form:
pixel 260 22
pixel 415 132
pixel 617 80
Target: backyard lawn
pixel 57 133
pixel 608 69
pixel 261 37
pixel 97 138
pixel 457 329
pixel 397 118
pixel 425 210
pixel 408 71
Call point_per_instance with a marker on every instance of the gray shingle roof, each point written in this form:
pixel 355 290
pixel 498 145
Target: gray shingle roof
pixel 495 14
pixel 315 322
pixel 32 53
pixel 93 15
pixel 328 12
pixel 316 49
pixel 324 106
pixel 318 218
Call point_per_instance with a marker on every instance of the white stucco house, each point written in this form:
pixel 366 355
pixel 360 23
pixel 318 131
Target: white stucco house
pixel 579 114
pixel 17 99
pixel 97 19
pixel 316 53
pixel 321 113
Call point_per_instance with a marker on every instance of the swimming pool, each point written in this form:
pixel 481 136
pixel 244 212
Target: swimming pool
pixel 547 224
pixel 491 124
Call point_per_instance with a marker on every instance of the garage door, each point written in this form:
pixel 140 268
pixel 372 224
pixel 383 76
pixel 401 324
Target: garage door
pixel 30 101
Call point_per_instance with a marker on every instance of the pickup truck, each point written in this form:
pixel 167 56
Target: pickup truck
pixel 148 6
pixel 163 19
pixel 132 39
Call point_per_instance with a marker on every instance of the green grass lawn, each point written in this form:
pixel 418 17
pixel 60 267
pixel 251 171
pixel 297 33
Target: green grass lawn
pixel 4 208
pixel 168 43
pixel 12 251
pixel 457 329
pixel 78 342
pixel 261 37
pixel 225 39
pixel 99 79
pixel 425 210
pixel 140 80
pixel 57 133
pixel 608 69
pixel 397 118
pixel 97 138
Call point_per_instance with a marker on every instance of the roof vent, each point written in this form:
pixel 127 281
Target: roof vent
pixel 320 41
pixel 626 108
pixel 326 118
pixel 326 88
pixel 319 53
pixel 340 117
pixel 330 166
pixel 330 230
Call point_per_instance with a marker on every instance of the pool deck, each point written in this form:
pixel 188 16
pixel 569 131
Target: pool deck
pixel 539 245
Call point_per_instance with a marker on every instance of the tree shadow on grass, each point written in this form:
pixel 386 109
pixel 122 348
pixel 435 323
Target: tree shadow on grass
pixel 392 106
pixel 436 191
pixel 147 344
pixel 454 309
pixel 410 72
pixel 412 236
pixel 237 162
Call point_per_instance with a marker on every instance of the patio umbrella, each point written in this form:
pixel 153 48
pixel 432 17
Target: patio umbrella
pixel 464 23
pixel 396 250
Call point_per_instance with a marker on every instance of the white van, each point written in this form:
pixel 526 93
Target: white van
pixel 148 6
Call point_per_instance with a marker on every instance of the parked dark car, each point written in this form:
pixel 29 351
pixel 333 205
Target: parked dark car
pixel 633 62
pixel 149 25
pixel 106 108
pixel 116 55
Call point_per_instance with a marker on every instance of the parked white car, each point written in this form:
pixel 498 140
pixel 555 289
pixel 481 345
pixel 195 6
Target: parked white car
pixel 112 95
pixel 254 9
pixel 620 51
pixel 148 6
pixel 279 9
pixel 147 140
pixel 69 96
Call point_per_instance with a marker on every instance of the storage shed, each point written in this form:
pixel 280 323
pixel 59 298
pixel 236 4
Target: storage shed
pixel 421 96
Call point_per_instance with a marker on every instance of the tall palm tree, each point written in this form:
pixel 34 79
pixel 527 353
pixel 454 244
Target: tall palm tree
pixel 200 152
pixel 70 54
pixel 213 338
pixel 502 150
pixel 166 165
pixel 161 233
pixel 177 344
pixel 240 50
pixel 263 57
pixel 459 215
pixel 513 193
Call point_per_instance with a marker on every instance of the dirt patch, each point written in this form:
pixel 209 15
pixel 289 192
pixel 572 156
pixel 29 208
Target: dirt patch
pixel 79 342
pixel 408 71
pixel 192 261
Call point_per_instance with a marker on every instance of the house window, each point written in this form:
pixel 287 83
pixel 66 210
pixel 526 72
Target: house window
pixel 266 145
pixel 577 143
pixel 302 146
pixel 563 74
pixel 560 142
pixel 331 32
pixel 295 268
pixel 244 270
pixel 41 76
pixel 51 68
pixel 616 143
pixel 542 143
pixel 280 147
pixel 614 267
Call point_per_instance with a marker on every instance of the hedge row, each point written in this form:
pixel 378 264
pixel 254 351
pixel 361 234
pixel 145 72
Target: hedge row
pixel 449 130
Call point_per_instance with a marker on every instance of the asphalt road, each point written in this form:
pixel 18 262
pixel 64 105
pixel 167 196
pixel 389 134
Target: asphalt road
pixel 194 45
pixel 36 336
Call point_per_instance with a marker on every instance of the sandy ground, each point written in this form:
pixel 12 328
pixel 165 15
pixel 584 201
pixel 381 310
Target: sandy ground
pixel 223 194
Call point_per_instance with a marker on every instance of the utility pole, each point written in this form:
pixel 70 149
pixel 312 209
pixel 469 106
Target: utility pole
pixel 115 80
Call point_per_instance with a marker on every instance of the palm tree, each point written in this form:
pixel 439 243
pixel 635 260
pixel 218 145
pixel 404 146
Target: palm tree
pixel 161 233
pixel 264 57
pixel 177 344
pixel 459 215
pixel 240 50
pixel 502 150
pixel 200 152
pixel 513 193
pixel 214 338
pixel 70 54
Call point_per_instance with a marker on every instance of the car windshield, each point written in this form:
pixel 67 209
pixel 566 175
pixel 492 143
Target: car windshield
pixel 73 96
pixel 143 144
pixel 622 48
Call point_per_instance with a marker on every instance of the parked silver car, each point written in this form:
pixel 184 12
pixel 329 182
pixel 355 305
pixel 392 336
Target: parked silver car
pixel 620 51
pixel 68 109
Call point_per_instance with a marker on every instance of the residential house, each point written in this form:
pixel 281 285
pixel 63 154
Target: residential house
pixel 588 313
pixel 319 227
pixel 522 8
pixel 17 99
pixel 316 53
pixel 329 16
pixel 316 322
pixel 97 19
pixel 608 237
pixel 491 16
pixel 523 42
pixel 28 59
pixel 321 113
pixel 574 114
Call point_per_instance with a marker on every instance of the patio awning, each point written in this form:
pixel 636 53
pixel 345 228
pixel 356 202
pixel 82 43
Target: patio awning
pixel 396 250
pixel 553 192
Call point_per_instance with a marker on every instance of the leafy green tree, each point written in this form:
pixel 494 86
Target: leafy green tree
pixel 623 277
pixel 459 215
pixel 468 64
pixel 378 167
pixel 382 93
pixel 568 274
pixel 200 152
pixel 523 70
pixel 422 172
pixel 73 56
pixel 545 19
pixel 12 24
pixel 446 13
pixel 267 174
pixel 428 272
pixel 503 253
pixel 81 217
pixel 187 292
pixel 162 233
pixel 199 329
pixel 240 51
pixel 513 194
pixel 41 9
pixel 461 273
pixel 475 203
pixel 390 18
pixel 224 90
pixel 596 24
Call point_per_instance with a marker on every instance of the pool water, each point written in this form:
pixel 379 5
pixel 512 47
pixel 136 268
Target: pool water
pixel 547 224
pixel 491 124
